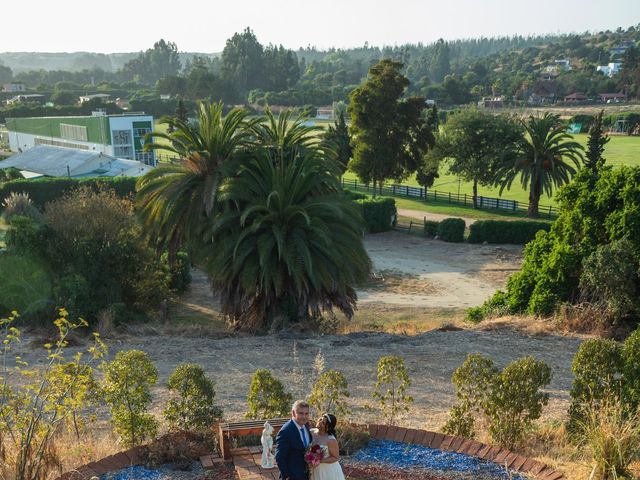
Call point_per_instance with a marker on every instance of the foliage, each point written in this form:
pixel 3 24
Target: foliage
pixel 355 195
pixel 390 388
pixel 379 214
pixel 193 409
pixel 391 136
pixel 330 392
pixel 451 230
pixel 351 438
pixel 542 158
pixel 612 438
pixel 288 244
pixel 33 409
pixel 595 144
pixel 475 142
pixel 609 280
pixel 494 307
pixel 127 390
pixel 19 204
pixel 173 201
pixel 180 271
pixel 25 284
pixel 337 139
pixel 515 400
pixel 505 231
pixel 510 399
pixel 267 397
pixel 8 174
pixel 44 190
pixel 431 228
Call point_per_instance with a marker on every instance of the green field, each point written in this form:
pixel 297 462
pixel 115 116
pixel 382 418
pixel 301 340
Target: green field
pixel 621 150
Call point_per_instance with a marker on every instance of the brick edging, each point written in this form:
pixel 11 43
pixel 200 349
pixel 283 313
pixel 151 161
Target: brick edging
pixel 492 453
pixel 127 458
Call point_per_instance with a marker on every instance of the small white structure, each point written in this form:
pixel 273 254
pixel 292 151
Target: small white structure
pixel 325 113
pixel 267 446
pixel 609 70
pixel 103 97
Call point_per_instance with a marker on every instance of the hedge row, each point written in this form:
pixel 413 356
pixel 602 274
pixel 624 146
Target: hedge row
pixel 379 214
pixel 44 190
pixel 451 230
pixel 505 231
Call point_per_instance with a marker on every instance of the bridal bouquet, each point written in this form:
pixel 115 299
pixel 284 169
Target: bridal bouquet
pixel 314 455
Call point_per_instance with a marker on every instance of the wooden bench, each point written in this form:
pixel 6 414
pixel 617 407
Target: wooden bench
pixel 226 430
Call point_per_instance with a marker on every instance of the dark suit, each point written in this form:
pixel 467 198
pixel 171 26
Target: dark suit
pixel 290 452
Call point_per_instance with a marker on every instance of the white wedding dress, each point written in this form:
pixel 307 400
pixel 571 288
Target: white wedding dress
pixel 327 471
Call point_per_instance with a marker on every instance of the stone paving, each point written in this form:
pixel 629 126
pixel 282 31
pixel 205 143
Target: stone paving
pixel 246 461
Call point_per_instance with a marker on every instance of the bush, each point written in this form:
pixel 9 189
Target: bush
pixel 431 228
pixel 379 214
pixel 193 409
pixel 267 397
pixel 503 231
pixel 329 393
pixel 127 391
pixel 584 120
pixel 180 271
pixel 355 195
pixel 19 204
pixel 351 438
pixel 45 190
pixel 494 307
pixel 451 230
pixel 391 385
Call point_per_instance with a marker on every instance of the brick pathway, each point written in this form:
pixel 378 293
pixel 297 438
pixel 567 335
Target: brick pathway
pixel 247 464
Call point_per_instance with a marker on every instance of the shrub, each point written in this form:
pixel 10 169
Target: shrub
pixel 515 400
pixel 351 438
pixel 379 214
pixel 496 306
pixel 612 437
pixel 584 120
pixel 503 231
pixel 431 228
pixel 25 285
pixel 193 409
pixel 267 397
pixel 631 369
pixel 180 271
pixel 355 195
pixel 45 190
pixel 20 204
pixel 451 230
pixel 8 174
pixel 26 237
pixel 609 279
pixel 391 385
pixel 127 391
pixel 329 393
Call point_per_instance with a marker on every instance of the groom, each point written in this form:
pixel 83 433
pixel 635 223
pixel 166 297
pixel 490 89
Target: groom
pixel 292 441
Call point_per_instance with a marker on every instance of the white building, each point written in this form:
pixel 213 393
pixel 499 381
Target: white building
pixel 609 70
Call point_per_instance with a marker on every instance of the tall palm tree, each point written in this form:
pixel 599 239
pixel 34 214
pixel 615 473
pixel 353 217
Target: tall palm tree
pixel 545 158
pixel 174 200
pixel 288 242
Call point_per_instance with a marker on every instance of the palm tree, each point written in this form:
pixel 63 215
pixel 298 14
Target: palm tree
pixel 174 200
pixel 545 158
pixel 288 242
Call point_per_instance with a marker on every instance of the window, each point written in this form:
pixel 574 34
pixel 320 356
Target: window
pixel 123 151
pixel 121 137
pixel 58 143
pixel 73 132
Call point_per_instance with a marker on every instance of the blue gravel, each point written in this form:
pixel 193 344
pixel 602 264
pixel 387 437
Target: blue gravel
pixel 133 473
pixel 165 472
pixel 402 456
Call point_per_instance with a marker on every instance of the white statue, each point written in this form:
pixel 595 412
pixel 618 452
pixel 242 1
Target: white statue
pixel 267 446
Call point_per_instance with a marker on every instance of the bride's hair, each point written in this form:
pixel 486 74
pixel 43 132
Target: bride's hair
pixel 331 423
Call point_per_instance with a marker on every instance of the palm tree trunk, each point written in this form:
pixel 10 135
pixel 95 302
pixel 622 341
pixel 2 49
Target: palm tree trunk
pixel 534 199
pixel 475 193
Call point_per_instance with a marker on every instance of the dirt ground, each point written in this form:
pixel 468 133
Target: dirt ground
pixel 412 271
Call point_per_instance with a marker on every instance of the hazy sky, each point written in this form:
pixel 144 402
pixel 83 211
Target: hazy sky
pixel 203 26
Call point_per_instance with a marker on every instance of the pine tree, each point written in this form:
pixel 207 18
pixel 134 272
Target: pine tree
pixel 338 139
pixel 595 145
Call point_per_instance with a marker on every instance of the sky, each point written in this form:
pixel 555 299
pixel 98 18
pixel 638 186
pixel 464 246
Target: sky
pixel 204 26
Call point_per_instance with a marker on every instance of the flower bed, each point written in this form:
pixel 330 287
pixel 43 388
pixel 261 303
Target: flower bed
pixel 401 457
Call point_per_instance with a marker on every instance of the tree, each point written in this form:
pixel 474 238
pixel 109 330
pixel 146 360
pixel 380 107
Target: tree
pixel 393 381
pixel 157 62
pixel 267 397
pixel 329 393
pixel 173 201
pixel 545 158
pixel 242 61
pixel 193 407
pixel 288 243
pixel 338 140
pixel 127 391
pixel 475 142
pixel 440 62
pixel 390 135
pixel 595 144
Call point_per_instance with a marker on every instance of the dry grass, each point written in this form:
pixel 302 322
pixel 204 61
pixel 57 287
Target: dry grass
pixel 395 282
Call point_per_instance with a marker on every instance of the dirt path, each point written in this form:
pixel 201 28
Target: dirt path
pixel 438 217
pixel 453 275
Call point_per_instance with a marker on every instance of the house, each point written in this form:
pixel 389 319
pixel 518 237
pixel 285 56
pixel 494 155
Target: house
pixel 31 97
pixel 609 70
pixel 120 136
pixel 563 64
pixel 325 113
pixel 576 98
pixel 492 102
pixel 612 97
pixel 49 161
pixel 542 93
pixel 549 76
pixel 102 97
pixel 13 87
pixel 621 48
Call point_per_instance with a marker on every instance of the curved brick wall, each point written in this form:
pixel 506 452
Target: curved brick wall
pixel 449 443
pixel 499 455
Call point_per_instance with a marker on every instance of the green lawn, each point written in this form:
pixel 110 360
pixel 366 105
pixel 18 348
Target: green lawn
pixel 621 150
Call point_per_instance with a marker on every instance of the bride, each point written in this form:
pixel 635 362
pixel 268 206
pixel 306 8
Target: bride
pixel 324 435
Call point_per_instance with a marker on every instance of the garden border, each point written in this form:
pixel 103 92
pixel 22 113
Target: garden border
pixel 440 441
